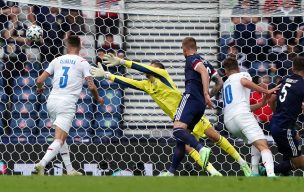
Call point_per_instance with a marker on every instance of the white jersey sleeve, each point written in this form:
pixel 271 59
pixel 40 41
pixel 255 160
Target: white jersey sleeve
pixel 50 68
pixel 236 96
pixel 86 68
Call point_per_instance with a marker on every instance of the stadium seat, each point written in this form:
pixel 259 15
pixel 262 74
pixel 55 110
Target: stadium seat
pixel 24 94
pixel 84 109
pixel 22 126
pixel 25 81
pixel 106 123
pixel 81 123
pixel 26 109
pixel 43 110
pixel 45 126
pixel 3 96
pixel 85 96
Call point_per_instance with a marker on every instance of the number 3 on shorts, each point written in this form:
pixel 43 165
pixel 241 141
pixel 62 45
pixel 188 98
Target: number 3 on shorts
pixel 64 79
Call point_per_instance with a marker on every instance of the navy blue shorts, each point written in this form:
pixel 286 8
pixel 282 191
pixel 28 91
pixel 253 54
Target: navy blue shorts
pixel 287 143
pixel 190 110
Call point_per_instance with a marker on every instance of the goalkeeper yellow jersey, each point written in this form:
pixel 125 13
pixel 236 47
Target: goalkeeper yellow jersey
pixel 162 90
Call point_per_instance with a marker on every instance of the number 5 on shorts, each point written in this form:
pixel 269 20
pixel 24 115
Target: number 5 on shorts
pixel 64 79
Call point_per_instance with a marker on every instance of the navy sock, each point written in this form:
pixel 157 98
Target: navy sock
pixel 283 168
pixel 183 135
pixel 178 155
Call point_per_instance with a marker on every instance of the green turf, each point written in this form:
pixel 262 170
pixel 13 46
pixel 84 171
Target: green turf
pixel 149 184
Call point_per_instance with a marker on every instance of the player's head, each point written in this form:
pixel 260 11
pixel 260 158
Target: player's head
pixel 298 65
pixel 155 64
pixel 73 44
pixel 231 66
pixel 189 46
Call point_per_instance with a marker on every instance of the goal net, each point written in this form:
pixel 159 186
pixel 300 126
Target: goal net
pixel 129 134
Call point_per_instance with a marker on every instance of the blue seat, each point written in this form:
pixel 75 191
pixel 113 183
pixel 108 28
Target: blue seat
pixel 43 113
pixel 24 109
pixel 107 123
pixel 24 94
pixel 25 81
pixel 48 82
pixel 43 97
pixel 81 123
pixel 22 126
pixel 84 110
pixel 85 96
pixel 3 96
pixel 45 123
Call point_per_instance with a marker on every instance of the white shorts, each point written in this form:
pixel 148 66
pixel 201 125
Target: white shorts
pixel 61 113
pixel 246 127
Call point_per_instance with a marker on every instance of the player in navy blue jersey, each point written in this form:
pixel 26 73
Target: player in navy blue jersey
pixel 192 106
pixel 287 105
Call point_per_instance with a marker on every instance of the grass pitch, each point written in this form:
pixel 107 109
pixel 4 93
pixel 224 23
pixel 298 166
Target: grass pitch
pixel 149 184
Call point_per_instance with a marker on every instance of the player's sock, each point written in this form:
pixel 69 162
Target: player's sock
pixel 178 155
pixel 51 152
pixel 284 167
pixel 196 157
pixel 228 148
pixel 255 160
pixel 183 135
pixel 65 155
pixel 268 162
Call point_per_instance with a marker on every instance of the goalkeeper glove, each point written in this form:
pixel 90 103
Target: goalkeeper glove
pixel 99 71
pixel 110 60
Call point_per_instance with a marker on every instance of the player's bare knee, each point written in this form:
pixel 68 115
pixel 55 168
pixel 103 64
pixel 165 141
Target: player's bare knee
pixel 212 134
pixel 179 124
pixel 188 148
pixel 261 144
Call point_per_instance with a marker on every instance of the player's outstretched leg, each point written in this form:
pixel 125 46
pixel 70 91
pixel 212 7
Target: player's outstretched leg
pixel 267 158
pixel 52 151
pixel 224 144
pixel 255 160
pixel 183 135
pixel 196 156
pixel 65 155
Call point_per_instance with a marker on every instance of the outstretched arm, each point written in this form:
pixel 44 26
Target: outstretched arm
pixel 250 85
pixel 110 60
pixel 218 85
pixel 127 82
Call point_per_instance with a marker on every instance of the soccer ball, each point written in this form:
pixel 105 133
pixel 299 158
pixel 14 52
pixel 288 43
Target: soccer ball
pixel 34 33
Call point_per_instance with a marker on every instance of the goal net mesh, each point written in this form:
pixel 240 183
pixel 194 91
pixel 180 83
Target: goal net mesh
pixel 130 133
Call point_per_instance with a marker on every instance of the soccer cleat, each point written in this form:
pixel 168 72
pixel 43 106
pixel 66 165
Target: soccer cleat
pixel 74 173
pixel 215 174
pixel 39 169
pixel 205 154
pixel 246 169
pixel 166 174
pixel 262 170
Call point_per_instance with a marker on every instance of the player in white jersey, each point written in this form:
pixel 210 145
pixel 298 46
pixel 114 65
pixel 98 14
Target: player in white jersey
pixel 69 72
pixel 238 118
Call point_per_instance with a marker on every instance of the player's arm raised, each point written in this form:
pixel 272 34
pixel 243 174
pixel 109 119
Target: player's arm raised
pixel 200 68
pixel 110 60
pixel 127 82
pixel 40 81
pixel 250 85
pixel 218 85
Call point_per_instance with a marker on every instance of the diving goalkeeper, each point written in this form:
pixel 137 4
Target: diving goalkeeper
pixel 160 86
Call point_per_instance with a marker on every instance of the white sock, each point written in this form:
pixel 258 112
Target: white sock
pixel 65 155
pixel 255 159
pixel 51 152
pixel 268 162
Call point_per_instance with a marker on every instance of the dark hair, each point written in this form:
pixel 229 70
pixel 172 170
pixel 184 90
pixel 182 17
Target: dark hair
pixel 189 42
pixel 275 33
pixel 109 35
pixel 230 64
pixel 74 41
pixel 298 63
pixel 158 64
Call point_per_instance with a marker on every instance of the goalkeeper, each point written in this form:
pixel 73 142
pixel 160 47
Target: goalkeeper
pixel 162 89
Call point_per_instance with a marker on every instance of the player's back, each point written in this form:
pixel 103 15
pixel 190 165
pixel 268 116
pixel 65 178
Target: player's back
pixel 69 73
pixel 289 102
pixel 236 96
pixel 193 81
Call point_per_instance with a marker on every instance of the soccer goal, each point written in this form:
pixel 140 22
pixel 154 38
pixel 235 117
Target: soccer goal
pixel 130 134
